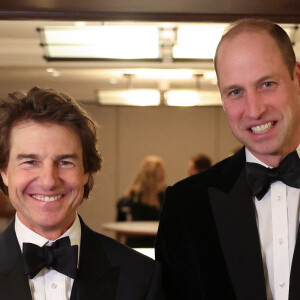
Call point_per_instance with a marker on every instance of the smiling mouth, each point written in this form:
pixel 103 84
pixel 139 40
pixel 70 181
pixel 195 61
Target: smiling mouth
pixel 47 198
pixel 262 128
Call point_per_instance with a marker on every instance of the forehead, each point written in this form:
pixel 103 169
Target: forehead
pixel 249 41
pixel 32 136
pixel 249 52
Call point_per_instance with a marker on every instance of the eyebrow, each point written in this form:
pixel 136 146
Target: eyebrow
pixel 268 77
pixel 65 156
pixel 35 156
pixel 26 156
pixel 233 87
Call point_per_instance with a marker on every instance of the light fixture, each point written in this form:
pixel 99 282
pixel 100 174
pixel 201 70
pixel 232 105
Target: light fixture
pixel 137 97
pixel 192 98
pixel 53 72
pixel 101 42
pixel 210 75
pixel 162 73
pixel 198 41
pixel 163 42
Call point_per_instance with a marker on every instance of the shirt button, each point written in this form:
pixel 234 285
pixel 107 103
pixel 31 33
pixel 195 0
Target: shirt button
pixel 54 285
pixel 280 241
pixel 282 284
pixel 278 198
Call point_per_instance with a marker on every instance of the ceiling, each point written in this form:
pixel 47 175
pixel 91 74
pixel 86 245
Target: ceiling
pixel 22 66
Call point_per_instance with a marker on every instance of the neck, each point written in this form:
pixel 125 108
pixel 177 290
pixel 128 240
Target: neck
pixel 272 160
pixel 51 233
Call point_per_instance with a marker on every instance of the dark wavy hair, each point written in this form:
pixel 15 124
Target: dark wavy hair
pixel 49 106
pixel 280 37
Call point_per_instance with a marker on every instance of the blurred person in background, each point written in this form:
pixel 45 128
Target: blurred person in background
pixel 143 199
pixel 7 212
pixel 198 163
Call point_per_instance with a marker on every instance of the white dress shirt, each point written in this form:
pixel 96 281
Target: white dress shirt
pixel 277 219
pixel 48 284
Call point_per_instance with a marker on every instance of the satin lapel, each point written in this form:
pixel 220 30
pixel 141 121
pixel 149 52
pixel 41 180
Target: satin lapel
pixel 13 281
pixel 294 291
pixel 96 278
pixel 234 215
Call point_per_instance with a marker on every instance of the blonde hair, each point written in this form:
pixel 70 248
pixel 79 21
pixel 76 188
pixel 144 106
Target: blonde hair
pixel 146 182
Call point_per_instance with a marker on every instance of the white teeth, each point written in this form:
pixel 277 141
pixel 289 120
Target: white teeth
pixel 262 128
pixel 46 198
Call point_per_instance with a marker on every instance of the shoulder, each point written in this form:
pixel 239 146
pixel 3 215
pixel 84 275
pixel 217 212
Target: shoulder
pixel 116 252
pixel 138 274
pixel 185 194
pixel 9 248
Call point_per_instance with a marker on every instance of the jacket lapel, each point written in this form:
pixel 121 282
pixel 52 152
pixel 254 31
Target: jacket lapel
pixel 234 215
pixel 96 278
pixel 294 291
pixel 13 281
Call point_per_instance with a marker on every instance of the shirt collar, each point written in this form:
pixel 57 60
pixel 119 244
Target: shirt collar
pixel 26 235
pixel 251 158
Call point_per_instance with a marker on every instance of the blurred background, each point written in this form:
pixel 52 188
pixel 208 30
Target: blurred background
pixel 142 69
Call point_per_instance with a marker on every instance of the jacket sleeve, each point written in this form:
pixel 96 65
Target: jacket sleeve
pixel 175 251
pixel 155 291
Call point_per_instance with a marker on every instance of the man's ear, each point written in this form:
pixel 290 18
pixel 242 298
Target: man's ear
pixel 297 75
pixel 218 84
pixel 4 177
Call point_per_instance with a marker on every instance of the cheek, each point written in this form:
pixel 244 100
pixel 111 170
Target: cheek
pixel 234 113
pixel 17 184
pixel 78 182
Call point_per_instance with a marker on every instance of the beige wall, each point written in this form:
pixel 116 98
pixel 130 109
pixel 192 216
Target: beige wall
pixel 127 134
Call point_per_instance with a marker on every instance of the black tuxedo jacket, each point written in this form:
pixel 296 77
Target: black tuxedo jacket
pixel 107 270
pixel 208 241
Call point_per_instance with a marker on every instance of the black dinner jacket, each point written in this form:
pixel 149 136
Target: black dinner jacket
pixel 107 270
pixel 208 241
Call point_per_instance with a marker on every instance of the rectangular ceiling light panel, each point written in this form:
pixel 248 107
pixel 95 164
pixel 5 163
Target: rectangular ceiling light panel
pixel 108 42
pixel 198 41
pixel 137 97
pixel 192 98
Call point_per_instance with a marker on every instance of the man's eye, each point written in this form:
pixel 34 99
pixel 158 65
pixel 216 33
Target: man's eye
pixel 65 163
pixel 268 84
pixel 29 162
pixel 235 92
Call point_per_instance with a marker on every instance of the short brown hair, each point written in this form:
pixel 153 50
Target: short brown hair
pixel 280 37
pixel 201 162
pixel 49 106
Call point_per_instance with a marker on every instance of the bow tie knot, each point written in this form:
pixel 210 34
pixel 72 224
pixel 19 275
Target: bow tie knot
pixel 259 178
pixel 49 256
pixel 60 256
pixel 274 174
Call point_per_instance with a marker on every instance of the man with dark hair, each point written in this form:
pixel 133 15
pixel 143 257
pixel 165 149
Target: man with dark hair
pixel 198 163
pixel 231 232
pixel 48 157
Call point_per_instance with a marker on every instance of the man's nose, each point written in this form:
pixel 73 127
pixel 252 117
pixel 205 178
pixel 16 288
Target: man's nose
pixel 255 107
pixel 48 176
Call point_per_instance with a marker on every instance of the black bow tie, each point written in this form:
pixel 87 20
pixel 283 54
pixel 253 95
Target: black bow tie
pixel 60 256
pixel 259 178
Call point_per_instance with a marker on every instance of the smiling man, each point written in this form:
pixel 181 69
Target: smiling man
pixel 48 157
pixel 232 232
